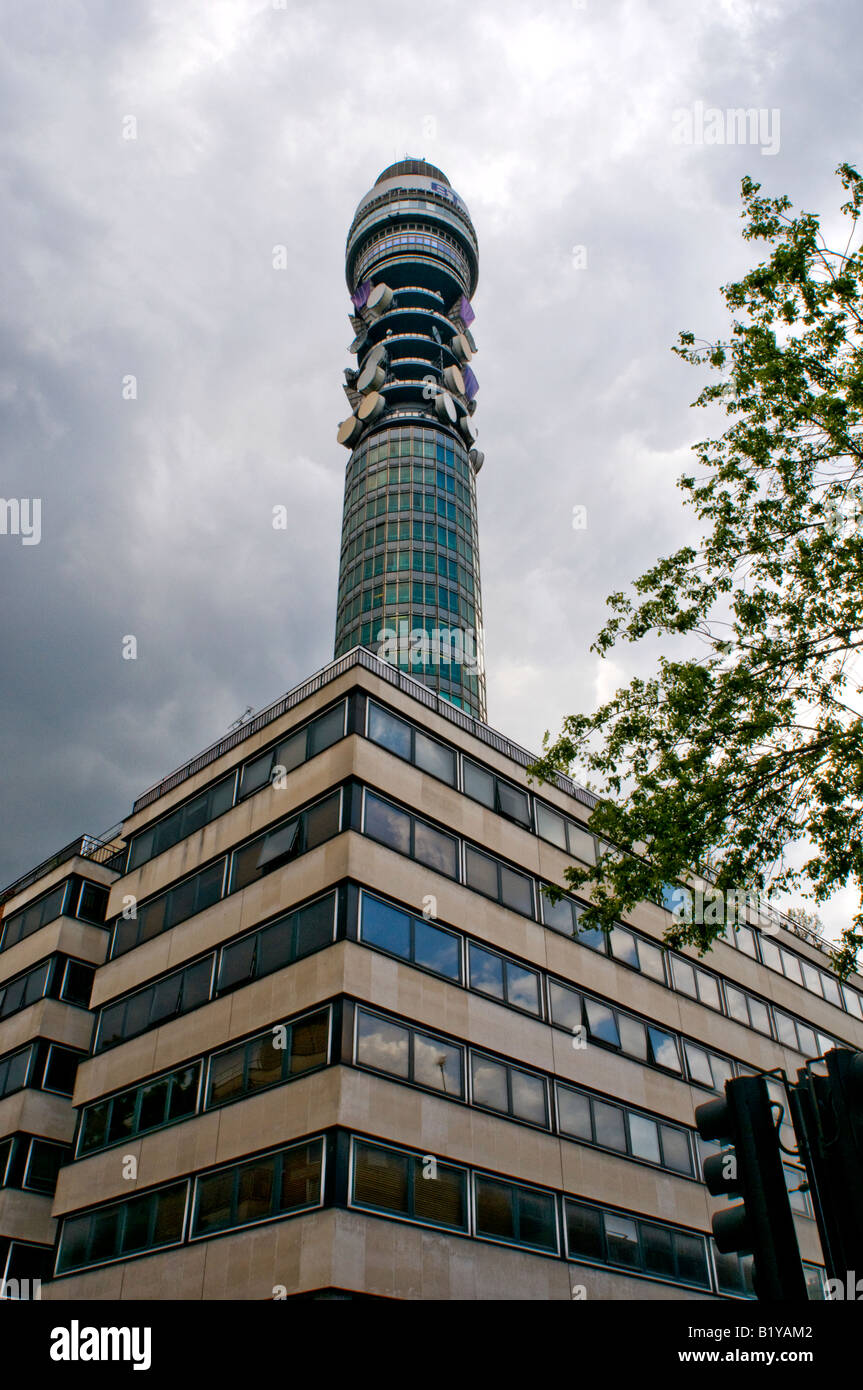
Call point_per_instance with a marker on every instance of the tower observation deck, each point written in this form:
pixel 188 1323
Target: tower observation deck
pixel 409 581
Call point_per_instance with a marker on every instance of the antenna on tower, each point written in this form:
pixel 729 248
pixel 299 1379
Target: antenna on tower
pixel 238 723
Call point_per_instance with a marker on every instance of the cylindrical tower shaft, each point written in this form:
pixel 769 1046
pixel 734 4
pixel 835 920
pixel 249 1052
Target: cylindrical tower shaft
pixel 409 583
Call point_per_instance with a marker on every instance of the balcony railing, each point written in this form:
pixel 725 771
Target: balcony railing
pixel 108 852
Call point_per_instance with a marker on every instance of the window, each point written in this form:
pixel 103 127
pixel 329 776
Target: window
pixel 791 965
pixel 495 880
pixel 811 977
pixel 770 953
pixel 498 795
pixel 409 1053
pixel 293 750
pixel 707 1068
pixel 386 823
pixel 592 1121
pixel 511 1090
pixel 734 1274
pixel 585 1232
pixel 409 835
pixel 663 1049
pixel 125 1228
pixel 698 984
pixel 651 960
pixel 169 909
pixel 606 1237
pixel 411 938
pixel 286 841
pixel 435 849
pixel 621 1240
pixel 853 1001
pixel 184 821
pixel 683 975
pixel 169 997
pixel 13 1071
pixel 561 916
pixel 278 944
pixel 644 1138
pixel 504 979
pixel 549 825
pixel 566 834
pixel 815 1281
pixel 624 946
pixel 44 1162
pixel 157 1102
pixel 746 1009
pixel 601 1023
pixel 581 843
pixel 260 1190
pixel 22 924
pixel 277 847
pixel 564 1006
pixel 406 1185
pixel 698 1063
pixel 518 1215
pixel 93 903
pixel 433 757
pixel 25 990
pixel 407 742
pixel 77 983
pixel 61 1068
pixel 830 989
pixel 23 1264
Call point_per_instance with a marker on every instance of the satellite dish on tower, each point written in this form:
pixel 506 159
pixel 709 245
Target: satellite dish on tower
pixel 461 347
pixel 380 299
pixel 348 431
pixel 453 380
pixel 372 376
pixel 371 406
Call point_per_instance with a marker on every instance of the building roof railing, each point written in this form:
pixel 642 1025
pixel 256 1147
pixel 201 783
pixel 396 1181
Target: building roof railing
pixel 369 661
pixel 357 656
pixel 85 847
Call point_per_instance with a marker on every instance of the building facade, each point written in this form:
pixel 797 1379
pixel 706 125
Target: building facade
pixel 343 1043
pixel 310 1027
pixel 52 938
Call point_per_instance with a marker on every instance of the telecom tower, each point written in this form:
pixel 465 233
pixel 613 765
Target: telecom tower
pixel 409 582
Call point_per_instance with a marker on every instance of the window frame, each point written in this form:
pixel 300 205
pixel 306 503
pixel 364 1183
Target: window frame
pixel 411 1029
pixel 236 1168
pixel 412 735
pixel 479 1175
pixel 480 1055
pixel 413 1159
pixel 206 1103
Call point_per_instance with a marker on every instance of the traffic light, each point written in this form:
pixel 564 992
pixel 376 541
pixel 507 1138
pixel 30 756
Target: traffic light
pixel 828 1121
pixel 762 1224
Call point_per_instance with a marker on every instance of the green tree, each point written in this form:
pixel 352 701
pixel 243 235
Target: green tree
pixel 753 742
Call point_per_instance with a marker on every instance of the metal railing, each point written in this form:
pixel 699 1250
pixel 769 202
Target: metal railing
pixel 107 852
pixel 357 656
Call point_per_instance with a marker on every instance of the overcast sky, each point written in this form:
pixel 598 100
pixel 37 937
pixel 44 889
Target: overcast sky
pixel 261 124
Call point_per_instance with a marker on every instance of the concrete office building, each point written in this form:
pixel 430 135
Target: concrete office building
pixel 343 1044
pixel 52 936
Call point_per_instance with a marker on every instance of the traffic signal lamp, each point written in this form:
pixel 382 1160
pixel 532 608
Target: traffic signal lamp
pixel 828 1120
pixel 761 1224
